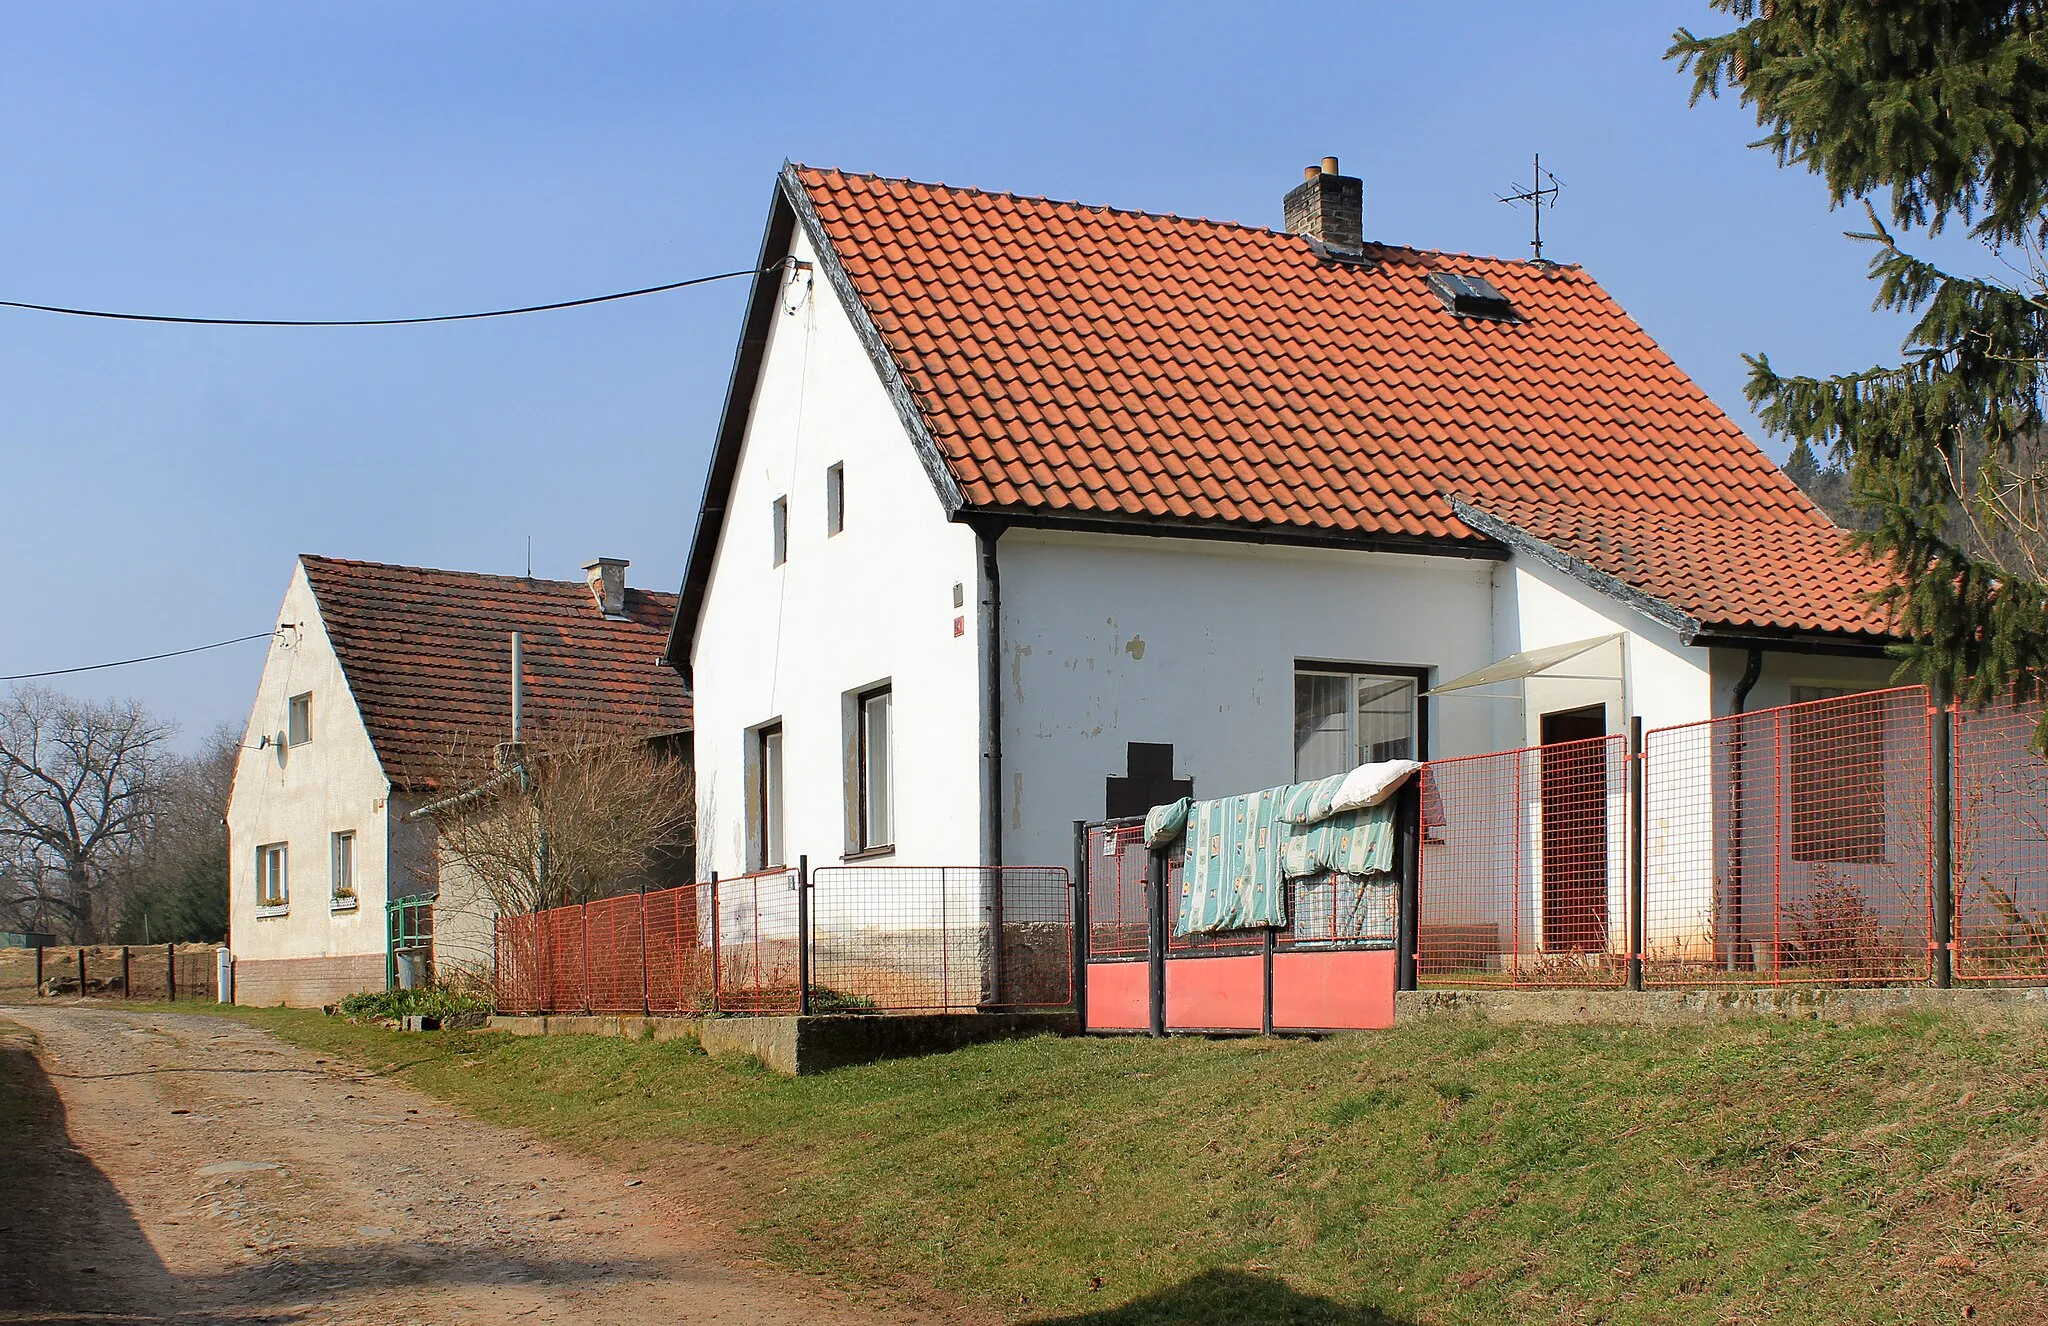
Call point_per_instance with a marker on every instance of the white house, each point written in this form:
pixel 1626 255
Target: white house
pixel 376 673
pixel 1010 496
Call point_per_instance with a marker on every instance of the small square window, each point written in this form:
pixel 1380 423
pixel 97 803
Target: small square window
pixel 298 724
pixel 835 498
pixel 780 531
pixel 271 882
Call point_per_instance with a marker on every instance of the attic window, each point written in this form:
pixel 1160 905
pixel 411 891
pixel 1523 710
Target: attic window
pixel 1471 296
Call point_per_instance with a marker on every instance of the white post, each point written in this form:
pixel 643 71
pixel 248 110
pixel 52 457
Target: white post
pixel 224 976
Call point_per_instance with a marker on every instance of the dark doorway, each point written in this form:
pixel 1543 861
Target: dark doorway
pixel 1148 782
pixel 1575 831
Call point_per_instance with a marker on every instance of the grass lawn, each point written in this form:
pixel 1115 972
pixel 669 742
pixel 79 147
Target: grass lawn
pixel 1442 1172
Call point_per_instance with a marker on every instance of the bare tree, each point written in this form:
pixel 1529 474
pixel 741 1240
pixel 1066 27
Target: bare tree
pixel 77 786
pixel 571 817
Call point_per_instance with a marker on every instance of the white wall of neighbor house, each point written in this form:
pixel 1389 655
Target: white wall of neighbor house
pixel 871 605
pixel 301 796
pixel 1111 639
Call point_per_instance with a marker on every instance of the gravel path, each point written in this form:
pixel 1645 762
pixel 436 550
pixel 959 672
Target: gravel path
pixel 213 1173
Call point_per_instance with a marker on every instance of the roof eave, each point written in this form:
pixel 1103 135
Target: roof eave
pixel 1423 545
pixel 1685 625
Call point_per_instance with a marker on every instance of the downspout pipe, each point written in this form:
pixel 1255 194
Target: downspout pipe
pixel 992 754
pixel 1737 960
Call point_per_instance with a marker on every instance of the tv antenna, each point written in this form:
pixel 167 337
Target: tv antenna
pixel 1537 197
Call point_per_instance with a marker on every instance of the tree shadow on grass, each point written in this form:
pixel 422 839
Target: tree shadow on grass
pixel 1230 1298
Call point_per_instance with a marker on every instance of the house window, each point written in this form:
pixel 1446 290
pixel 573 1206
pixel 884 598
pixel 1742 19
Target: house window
pixel 298 722
pixel 1343 719
pixel 875 795
pixel 780 533
pixel 271 891
pixel 835 498
pixel 767 797
pixel 341 869
pixel 1837 785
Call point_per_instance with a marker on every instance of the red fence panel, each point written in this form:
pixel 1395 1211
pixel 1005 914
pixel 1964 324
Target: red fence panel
pixel 755 941
pixel 2000 843
pixel 1116 861
pixel 1792 845
pixel 618 970
pixel 516 970
pixel 1524 863
pixel 564 963
pixel 678 949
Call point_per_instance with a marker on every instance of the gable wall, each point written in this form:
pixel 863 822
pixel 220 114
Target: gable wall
pixel 309 953
pixel 873 603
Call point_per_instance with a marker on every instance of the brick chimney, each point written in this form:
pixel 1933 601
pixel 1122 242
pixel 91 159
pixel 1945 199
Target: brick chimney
pixel 607 580
pixel 1329 207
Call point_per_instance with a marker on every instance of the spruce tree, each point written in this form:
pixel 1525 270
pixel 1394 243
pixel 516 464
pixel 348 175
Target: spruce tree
pixel 1925 113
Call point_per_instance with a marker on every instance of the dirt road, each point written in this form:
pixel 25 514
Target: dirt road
pixel 189 1168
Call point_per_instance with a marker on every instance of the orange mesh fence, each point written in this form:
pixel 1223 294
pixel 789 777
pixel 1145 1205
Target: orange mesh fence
pixel 617 963
pixel 1117 861
pixel 678 972
pixel 755 940
pixel 516 972
pixel 1524 867
pixel 2000 844
pixel 564 966
pixel 1792 845
pixel 940 937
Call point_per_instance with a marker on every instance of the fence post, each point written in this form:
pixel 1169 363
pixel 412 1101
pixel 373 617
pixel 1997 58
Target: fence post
pixel 1155 939
pixel 126 993
pixel 1266 977
pixel 171 973
pixel 1077 974
pixel 803 935
pixel 39 968
pixel 646 1004
pixel 717 944
pixel 1638 781
pixel 1944 882
pixel 544 982
pixel 81 973
pixel 1408 910
pixel 583 919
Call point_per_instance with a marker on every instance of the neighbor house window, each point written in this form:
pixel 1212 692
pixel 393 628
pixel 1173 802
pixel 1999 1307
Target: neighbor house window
pixel 780 530
pixel 1837 759
pixel 1343 719
pixel 298 720
pixel 767 797
pixel 875 794
pixel 835 498
pixel 342 869
pixel 271 883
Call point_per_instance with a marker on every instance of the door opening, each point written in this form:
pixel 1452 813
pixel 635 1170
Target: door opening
pixel 1574 792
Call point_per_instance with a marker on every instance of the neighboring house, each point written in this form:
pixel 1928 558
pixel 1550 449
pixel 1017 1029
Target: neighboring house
pixel 1025 511
pixel 376 675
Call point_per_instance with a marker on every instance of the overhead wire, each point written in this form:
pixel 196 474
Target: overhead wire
pixel 147 658
pixel 372 322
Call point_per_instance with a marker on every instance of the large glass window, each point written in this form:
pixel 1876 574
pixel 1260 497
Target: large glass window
pixel 768 849
pixel 1345 719
pixel 877 792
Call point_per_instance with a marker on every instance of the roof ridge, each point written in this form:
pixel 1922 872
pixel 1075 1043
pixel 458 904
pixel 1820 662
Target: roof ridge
pixel 1211 222
pixel 364 564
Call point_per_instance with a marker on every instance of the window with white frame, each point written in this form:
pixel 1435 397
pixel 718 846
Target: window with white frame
pixel 1344 718
pixel 779 530
pixel 298 720
pixel 271 882
pixel 341 868
pixel 767 798
pixel 874 771
pixel 835 498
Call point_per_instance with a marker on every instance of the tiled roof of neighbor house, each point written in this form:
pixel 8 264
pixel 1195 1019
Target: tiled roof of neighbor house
pixel 1093 363
pixel 428 658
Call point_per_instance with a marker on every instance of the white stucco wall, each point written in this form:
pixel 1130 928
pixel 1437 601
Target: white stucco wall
pixel 871 604
pixel 302 795
pixel 1110 639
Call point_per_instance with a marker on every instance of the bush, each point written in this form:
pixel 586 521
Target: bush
pixel 446 1002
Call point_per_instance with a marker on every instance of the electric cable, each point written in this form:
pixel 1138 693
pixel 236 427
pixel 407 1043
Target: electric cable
pixel 147 658
pixel 371 322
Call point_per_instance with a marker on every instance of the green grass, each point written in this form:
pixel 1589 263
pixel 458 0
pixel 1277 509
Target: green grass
pixel 1442 1172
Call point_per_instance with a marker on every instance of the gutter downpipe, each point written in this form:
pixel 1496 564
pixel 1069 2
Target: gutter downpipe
pixel 1751 670
pixel 992 750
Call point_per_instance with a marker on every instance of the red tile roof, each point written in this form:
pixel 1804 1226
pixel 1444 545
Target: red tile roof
pixel 1088 362
pixel 428 657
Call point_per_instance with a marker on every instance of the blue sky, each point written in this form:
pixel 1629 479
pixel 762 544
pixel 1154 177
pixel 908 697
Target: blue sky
pixel 373 160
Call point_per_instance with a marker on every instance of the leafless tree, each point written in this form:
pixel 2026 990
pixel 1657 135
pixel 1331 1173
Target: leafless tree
pixel 78 782
pixel 570 817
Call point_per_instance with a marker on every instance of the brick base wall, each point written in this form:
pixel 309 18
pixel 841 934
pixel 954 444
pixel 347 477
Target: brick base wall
pixel 306 982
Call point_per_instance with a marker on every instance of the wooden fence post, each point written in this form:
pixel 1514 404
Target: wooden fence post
pixel 81 973
pixel 171 973
pixel 126 993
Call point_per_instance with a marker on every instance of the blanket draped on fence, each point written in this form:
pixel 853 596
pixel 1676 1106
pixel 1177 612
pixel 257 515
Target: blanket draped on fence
pixel 1241 851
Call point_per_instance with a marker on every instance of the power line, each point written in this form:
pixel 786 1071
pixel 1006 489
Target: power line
pixel 369 322
pixel 148 658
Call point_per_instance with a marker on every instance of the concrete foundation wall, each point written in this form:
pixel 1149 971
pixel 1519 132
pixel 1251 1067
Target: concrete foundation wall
pixel 306 982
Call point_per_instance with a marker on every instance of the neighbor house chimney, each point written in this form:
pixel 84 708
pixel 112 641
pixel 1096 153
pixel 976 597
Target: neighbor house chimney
pixel 1328 207
pixel 607 580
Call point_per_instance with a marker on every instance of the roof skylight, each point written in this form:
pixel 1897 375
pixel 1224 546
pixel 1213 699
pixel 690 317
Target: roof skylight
pixel 1471 296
